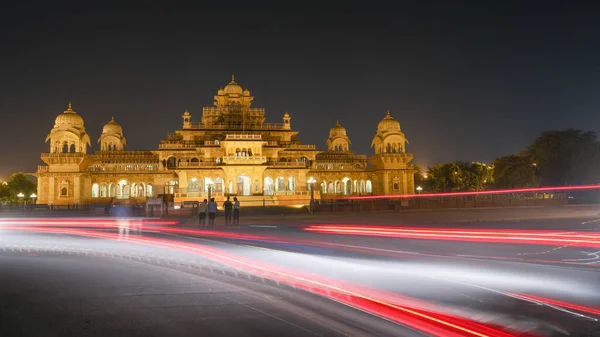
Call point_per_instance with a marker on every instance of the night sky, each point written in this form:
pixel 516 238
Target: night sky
pixel 467 80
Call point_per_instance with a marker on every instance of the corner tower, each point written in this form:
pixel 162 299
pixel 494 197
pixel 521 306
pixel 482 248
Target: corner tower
pixel 394 174
pixel 68 134
pixel 112 138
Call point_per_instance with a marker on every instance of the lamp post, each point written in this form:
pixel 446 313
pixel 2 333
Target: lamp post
pixel 33 196
pixel 21 196
pixel 311 184
pixel 419 189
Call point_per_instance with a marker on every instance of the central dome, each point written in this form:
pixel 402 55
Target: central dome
pixel 69 118
pixel 112 127
pixel 233 87
pixel 388 124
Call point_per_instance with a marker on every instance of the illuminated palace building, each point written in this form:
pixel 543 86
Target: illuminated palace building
pixel 232 150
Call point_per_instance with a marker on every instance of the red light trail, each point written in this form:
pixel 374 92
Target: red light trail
pixel 487 192
pixel 580 239
pixel 371 300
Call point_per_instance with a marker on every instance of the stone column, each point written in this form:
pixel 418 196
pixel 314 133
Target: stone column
pixel 77 189
pixel 51 190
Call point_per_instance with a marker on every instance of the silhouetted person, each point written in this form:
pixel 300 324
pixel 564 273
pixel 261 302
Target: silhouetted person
pixel 202 210
pixel 236 211
pixel 212 212
pixel 228 206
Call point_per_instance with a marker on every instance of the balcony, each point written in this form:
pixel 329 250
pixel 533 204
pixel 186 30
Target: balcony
pixel 303 146
pixel 241 160
pixel 295 164
pixel 42 169
pixel 198 164
pixel 264 126
pixel 244 137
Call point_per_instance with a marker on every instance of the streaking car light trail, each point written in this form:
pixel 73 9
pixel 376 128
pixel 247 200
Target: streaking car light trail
pixel 85 222
pixel 567 305
pixel 487 192
pixel 593 241
pixel 439 324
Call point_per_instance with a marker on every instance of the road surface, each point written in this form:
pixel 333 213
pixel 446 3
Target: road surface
pixel 526 277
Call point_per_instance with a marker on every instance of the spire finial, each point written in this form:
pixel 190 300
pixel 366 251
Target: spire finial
pixel 337 122
pixel 70 107
pixel 388 112
pixel 232 78
pixel 112 118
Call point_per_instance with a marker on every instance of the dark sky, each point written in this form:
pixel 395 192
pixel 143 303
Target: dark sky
pixel 467 80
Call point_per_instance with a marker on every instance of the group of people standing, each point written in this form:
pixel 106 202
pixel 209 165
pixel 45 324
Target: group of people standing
pixel 210 208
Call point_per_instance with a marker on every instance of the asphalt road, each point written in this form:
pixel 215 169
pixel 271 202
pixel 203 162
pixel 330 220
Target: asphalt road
pixel 150 283
pixel 69 286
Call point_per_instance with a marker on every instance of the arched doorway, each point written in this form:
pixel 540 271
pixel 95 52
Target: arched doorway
pixel 95 191
pixel 243 185
pixel 123 189
pixel 347 183
pixel 268 186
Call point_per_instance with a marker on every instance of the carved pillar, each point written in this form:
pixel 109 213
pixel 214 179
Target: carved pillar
pixel 51 190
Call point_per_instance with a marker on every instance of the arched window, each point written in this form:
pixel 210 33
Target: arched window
pixel 368 187
pixel 64 188
pixel 171 163
pixel 219 182
pixel 280 184
pixel 141 190
pixel 194 162
pixel 268 186
pixel 95 191
pixel 291 184
pixel 193 185
pixel 149 190
pixel 65 147
pixel 324 187
pixel 217 142
pixel 103 191
pixel 72 148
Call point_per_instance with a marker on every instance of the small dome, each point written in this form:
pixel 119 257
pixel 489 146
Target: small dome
pixel 246 92
pixel 112 127
pixel 337 130
pixel 220 92
pixel 233 87
pixel 388 124
pixel 69 118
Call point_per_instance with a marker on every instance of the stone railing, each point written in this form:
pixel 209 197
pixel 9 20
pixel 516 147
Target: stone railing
pixel 244 137
pixel 244 159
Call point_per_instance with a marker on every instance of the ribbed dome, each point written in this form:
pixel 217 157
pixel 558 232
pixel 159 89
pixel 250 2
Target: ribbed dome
pixel 69 118
pixel 233 87
pixel 337 130
pixel 112 127
pixel 388 124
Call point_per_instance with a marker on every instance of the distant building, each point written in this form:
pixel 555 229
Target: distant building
pixel 230 151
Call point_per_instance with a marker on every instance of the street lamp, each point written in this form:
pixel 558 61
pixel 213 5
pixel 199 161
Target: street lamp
pixel 21 196
pixel 419 189
pixel 33 196
pixel 311 183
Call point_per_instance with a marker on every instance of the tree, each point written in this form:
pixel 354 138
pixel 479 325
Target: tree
pixel 4 192
pixel 514 171
pixel 566 157
pixel 19 183
pixel 444 178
